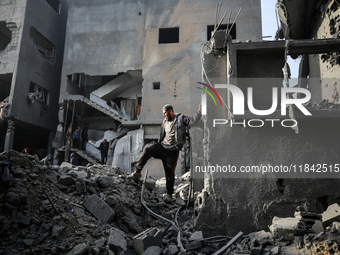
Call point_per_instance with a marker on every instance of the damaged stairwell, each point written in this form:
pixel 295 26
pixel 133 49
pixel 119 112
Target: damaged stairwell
pixel 108 104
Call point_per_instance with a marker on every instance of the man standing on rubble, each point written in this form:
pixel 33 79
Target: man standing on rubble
pixel 172 139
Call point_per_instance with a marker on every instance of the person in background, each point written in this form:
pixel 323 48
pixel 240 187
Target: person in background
pixel 104 149
pixel 26 151
pixel 75 136
pixel 74 160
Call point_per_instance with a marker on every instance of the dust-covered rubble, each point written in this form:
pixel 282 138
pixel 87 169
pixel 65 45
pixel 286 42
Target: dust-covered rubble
pixel 93 209
pixel 96 209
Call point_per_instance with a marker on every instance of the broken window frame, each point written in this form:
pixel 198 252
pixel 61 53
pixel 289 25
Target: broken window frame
pixel 5 35
pixel 38 93
pixel 46 49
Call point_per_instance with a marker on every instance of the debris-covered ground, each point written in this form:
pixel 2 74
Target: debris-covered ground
pixel 97 210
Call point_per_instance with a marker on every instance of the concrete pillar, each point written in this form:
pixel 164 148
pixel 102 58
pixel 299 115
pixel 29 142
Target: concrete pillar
pixel 9 135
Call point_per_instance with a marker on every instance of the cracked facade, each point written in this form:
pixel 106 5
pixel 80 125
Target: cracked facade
pixel 249 204
pixel 31 54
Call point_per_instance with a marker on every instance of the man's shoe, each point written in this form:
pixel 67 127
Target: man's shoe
pixel 168 199
pixel 134 176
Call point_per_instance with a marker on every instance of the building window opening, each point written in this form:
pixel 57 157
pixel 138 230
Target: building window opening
pixel 5 85
pixel 45 47
pixel 210 29
pixel 168 35
pixel 55 4
pixel 39 94
pixel 5 35
pixel 156 85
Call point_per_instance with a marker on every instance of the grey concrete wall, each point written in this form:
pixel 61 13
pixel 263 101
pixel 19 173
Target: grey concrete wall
pixel 32 67
pixel 177 66
pixel 13 13
pixel 104 38
pixel 320 68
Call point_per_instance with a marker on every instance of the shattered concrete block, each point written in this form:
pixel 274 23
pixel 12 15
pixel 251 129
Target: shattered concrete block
pixel 116 240
pixel 317 227
pixel 56 231
pixel 173 250
pixel 283 227
pixel 150 183
pixel 335 227
pixel 80 186
pixel 180 201
pixel 104 182
pixel 331 214
pixel 198 235
pixel 66 166
pixel 153 250
pixel 147 238
pixel 52 176
pixel 79 174
pixel 91 189
pixel 98 208
pixel 262 236
pixel 275 250
pixel 66 180
pixel 79 249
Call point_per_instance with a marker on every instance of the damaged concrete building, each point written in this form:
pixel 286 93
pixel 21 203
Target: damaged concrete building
pixel 248 202
pixel 125 56
pixel 31 53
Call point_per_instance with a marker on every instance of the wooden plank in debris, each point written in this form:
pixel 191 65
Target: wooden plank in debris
pixel 233 240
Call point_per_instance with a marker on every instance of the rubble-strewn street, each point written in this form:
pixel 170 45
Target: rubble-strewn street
pixel 97 210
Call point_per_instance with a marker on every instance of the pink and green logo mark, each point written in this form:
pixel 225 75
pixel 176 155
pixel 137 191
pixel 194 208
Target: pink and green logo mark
pixel 204 99
pixel 207 91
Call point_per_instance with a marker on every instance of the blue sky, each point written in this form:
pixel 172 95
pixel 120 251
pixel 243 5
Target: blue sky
pixel 269 28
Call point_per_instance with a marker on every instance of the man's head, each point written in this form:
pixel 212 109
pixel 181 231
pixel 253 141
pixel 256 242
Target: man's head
pixel 168 112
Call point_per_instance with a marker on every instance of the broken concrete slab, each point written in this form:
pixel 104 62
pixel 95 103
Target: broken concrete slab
pixel 79 249
pixel 196 236
pixel 79 174
pixel 104 182
pixel 262 236
pixel 149 237
pixel 116 240
pixel 153 250
pixel 98 208
pixel 173 249
pixel 66 180
pixel 283 227
pixel 318 227
pixel 52 176
pixel 66 166
pixel 150 183
pixel 275 250
pixel 331 214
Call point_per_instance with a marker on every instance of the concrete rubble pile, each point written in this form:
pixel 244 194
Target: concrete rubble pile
pixel 306 233
pixel 49 209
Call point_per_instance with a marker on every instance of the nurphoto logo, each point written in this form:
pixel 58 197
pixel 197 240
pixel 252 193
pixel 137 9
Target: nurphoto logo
pixel 238 104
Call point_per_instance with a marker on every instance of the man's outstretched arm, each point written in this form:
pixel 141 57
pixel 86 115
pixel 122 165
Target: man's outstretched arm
pixel 191 120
